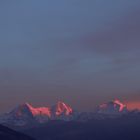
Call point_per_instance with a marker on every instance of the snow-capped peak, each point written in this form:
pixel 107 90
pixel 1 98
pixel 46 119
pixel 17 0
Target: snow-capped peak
pixel 61 108
pixel 25 105
pixel 23 109
pixel 121 105
pixel 112 107
pixel 27 109
pixel 25 114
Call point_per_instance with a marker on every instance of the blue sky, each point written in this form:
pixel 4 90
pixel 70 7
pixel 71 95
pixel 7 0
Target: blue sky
pixel 81 51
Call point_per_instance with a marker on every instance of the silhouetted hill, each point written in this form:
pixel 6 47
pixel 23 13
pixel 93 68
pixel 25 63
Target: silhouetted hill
pixel 8 134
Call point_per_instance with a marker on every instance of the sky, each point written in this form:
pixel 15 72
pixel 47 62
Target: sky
pixel 82 52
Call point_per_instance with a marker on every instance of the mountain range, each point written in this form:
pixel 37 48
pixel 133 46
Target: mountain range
pixel 111 120
pixel 25 115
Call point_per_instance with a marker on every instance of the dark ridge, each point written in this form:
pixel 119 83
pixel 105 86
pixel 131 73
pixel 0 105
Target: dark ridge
pixel 9 134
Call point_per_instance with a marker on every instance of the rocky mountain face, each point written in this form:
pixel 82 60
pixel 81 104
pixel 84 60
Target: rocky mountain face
pixel 112 107
pixel 26 114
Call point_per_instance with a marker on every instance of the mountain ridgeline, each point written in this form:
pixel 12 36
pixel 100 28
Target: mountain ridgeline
pixel 26 115
pixel 111 120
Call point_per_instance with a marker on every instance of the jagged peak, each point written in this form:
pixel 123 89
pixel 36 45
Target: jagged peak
pixel 22 109
pixel 60 103
pixel 61 107
pixel 27 109
pixel 115 105
pixel 118 102
pixel 34 111
pixel 27 105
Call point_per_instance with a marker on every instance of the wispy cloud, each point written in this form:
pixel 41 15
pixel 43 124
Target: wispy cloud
pixel 120 36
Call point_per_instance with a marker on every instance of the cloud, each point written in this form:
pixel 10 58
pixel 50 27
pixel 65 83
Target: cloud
pixel 120 36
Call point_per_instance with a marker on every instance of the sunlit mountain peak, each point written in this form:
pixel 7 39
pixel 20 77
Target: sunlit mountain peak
pixel 112 107
pixel 61 107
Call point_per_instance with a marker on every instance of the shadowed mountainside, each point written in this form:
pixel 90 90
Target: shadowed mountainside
pixel 8 134
pixel 124 128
